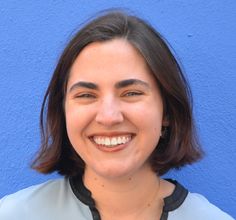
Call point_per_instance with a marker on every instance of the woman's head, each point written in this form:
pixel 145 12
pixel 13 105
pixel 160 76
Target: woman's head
pixel 108 93
pixel 177 146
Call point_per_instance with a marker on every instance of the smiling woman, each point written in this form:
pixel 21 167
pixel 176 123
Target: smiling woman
pixel 118 116
pixel 112 109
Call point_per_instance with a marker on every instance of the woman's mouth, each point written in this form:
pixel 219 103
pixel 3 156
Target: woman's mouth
pixel 116 142
pixel 111 141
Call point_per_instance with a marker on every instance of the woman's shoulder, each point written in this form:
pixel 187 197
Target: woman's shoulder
pixel 43 201
pixel 184 205
pixel 33 192
pixel 196 206
pixel 27 199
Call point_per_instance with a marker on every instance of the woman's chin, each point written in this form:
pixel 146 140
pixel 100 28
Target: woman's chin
pixel 115 171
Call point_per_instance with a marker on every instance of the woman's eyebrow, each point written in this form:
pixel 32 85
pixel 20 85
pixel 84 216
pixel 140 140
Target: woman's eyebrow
pixel 83 84
pixel 129 82
pixel 118 85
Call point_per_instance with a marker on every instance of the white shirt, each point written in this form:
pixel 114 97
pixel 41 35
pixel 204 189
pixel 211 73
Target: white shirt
pixel 61 200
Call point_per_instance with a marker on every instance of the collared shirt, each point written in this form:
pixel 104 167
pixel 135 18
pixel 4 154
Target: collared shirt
pixel 64 199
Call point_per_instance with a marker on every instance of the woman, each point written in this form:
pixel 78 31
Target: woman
pixel 118 116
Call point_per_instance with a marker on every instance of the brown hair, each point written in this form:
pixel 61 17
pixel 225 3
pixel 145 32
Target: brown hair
pixel 178 147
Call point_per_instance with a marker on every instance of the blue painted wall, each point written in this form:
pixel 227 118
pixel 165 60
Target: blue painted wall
pixel 203 34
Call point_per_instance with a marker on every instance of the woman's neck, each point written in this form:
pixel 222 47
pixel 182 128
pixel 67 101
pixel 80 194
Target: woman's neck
pixel 127 197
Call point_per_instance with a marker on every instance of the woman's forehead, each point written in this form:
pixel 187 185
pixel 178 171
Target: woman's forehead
pixel 100 52
pixel 110 59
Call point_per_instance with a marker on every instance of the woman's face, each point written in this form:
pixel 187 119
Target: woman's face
pixel 113 109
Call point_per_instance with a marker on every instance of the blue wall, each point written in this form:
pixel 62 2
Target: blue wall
pixel 203 34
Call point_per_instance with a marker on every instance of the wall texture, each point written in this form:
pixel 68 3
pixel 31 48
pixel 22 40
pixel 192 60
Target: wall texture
pixel 203 35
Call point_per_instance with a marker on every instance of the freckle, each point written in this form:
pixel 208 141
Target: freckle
pixel 148 204
pixel 130 178
pixel 95 178
pixel 102 185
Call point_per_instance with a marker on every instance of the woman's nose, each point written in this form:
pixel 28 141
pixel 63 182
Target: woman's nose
pixel 109 113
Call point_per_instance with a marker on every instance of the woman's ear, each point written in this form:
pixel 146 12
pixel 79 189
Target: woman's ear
pixel 165 121
pixel 165 127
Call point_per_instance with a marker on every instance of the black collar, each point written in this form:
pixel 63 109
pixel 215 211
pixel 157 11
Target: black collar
pixel 171 202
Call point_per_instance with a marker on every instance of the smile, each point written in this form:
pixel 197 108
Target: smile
pixel 112 141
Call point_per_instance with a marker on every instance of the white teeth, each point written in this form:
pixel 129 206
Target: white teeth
pixel 107 141
pixel 123 139
pixel 111 141
pixel 99 140
pixel 119 140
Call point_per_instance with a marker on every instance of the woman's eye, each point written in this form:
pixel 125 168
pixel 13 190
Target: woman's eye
pixel 85 95
pixel 132 94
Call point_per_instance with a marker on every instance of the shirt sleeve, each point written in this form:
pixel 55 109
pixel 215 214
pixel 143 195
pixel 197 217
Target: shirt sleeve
pixel 5 210
pixel 198 207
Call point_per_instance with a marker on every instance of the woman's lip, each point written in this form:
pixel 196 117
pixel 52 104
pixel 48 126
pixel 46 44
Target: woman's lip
pixel 113 148
pixel 111 134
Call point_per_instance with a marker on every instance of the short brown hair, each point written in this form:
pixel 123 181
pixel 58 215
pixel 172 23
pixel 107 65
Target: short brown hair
pixel 179 146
